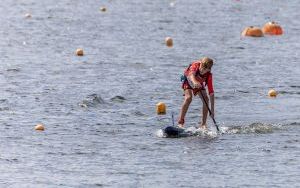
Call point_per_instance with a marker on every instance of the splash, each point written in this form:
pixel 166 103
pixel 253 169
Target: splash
pixel 258 128
pixel 160 133
pixel 202 132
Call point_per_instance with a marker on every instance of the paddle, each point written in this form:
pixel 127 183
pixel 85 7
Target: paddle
pixel 210 112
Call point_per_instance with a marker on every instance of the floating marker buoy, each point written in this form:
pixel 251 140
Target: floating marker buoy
pixel 252 32
pixel 169 41
pixel 28 15
pixel 103 9
pixel 79 52
pixel 272 93
pixel 39 127
pixel 161 108
pixel 272 28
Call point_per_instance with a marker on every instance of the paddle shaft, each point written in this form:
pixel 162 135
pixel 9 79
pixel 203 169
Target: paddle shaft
pixel 210 112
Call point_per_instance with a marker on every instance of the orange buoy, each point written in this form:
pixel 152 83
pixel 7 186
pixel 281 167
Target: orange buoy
pixel 272 28
pixel 39 127
pixel 103 9
pixel 161 108
pixel 169 41
pixel 79 52
pixel 272 93
pixel 252 32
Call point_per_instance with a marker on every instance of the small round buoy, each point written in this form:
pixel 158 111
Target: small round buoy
pixel 28 15
pixel 272 93
pixel 161 108
pixel 39 127
pixel 79 52
pixel 103 9
pixel 169 41
pixel 272 28
pixel 252 32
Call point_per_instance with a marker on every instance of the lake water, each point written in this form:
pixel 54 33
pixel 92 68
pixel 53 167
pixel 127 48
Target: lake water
pixel 99 109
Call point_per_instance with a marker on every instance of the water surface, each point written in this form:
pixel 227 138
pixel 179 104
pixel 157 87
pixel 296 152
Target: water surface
pixel 99 109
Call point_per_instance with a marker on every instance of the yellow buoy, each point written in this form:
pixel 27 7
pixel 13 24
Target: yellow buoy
pixel 103 9
pixel 39 127
pixel 272 93
pixel 169 41
pixel 161 108
pixel 79 52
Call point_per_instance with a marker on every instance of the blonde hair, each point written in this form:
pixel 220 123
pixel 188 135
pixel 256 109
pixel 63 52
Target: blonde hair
pixel 206 62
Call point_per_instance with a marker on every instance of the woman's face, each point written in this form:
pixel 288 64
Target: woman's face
pixel 204 70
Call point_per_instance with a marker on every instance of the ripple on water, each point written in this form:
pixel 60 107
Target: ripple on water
pixel 91 100
pixel 118 98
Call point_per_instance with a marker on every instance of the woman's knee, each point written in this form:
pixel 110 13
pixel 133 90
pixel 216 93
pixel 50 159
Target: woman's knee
pixel 188 98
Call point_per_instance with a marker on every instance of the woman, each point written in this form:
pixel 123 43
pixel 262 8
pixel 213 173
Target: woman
pixel 197 76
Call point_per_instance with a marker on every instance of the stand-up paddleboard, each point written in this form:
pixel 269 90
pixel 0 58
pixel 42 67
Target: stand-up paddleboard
pixel 174 132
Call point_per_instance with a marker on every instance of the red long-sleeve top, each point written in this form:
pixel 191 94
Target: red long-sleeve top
pixel 205 79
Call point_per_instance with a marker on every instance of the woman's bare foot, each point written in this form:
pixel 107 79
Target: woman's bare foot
pixel 180 125
pixel 203 126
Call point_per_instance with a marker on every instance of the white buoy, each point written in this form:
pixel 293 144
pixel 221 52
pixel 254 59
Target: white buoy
pixel 28 15
pixel 39 127
pixel 103 9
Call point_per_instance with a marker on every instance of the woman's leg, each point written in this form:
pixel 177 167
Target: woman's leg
pixel 188 97
pixel 204 108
